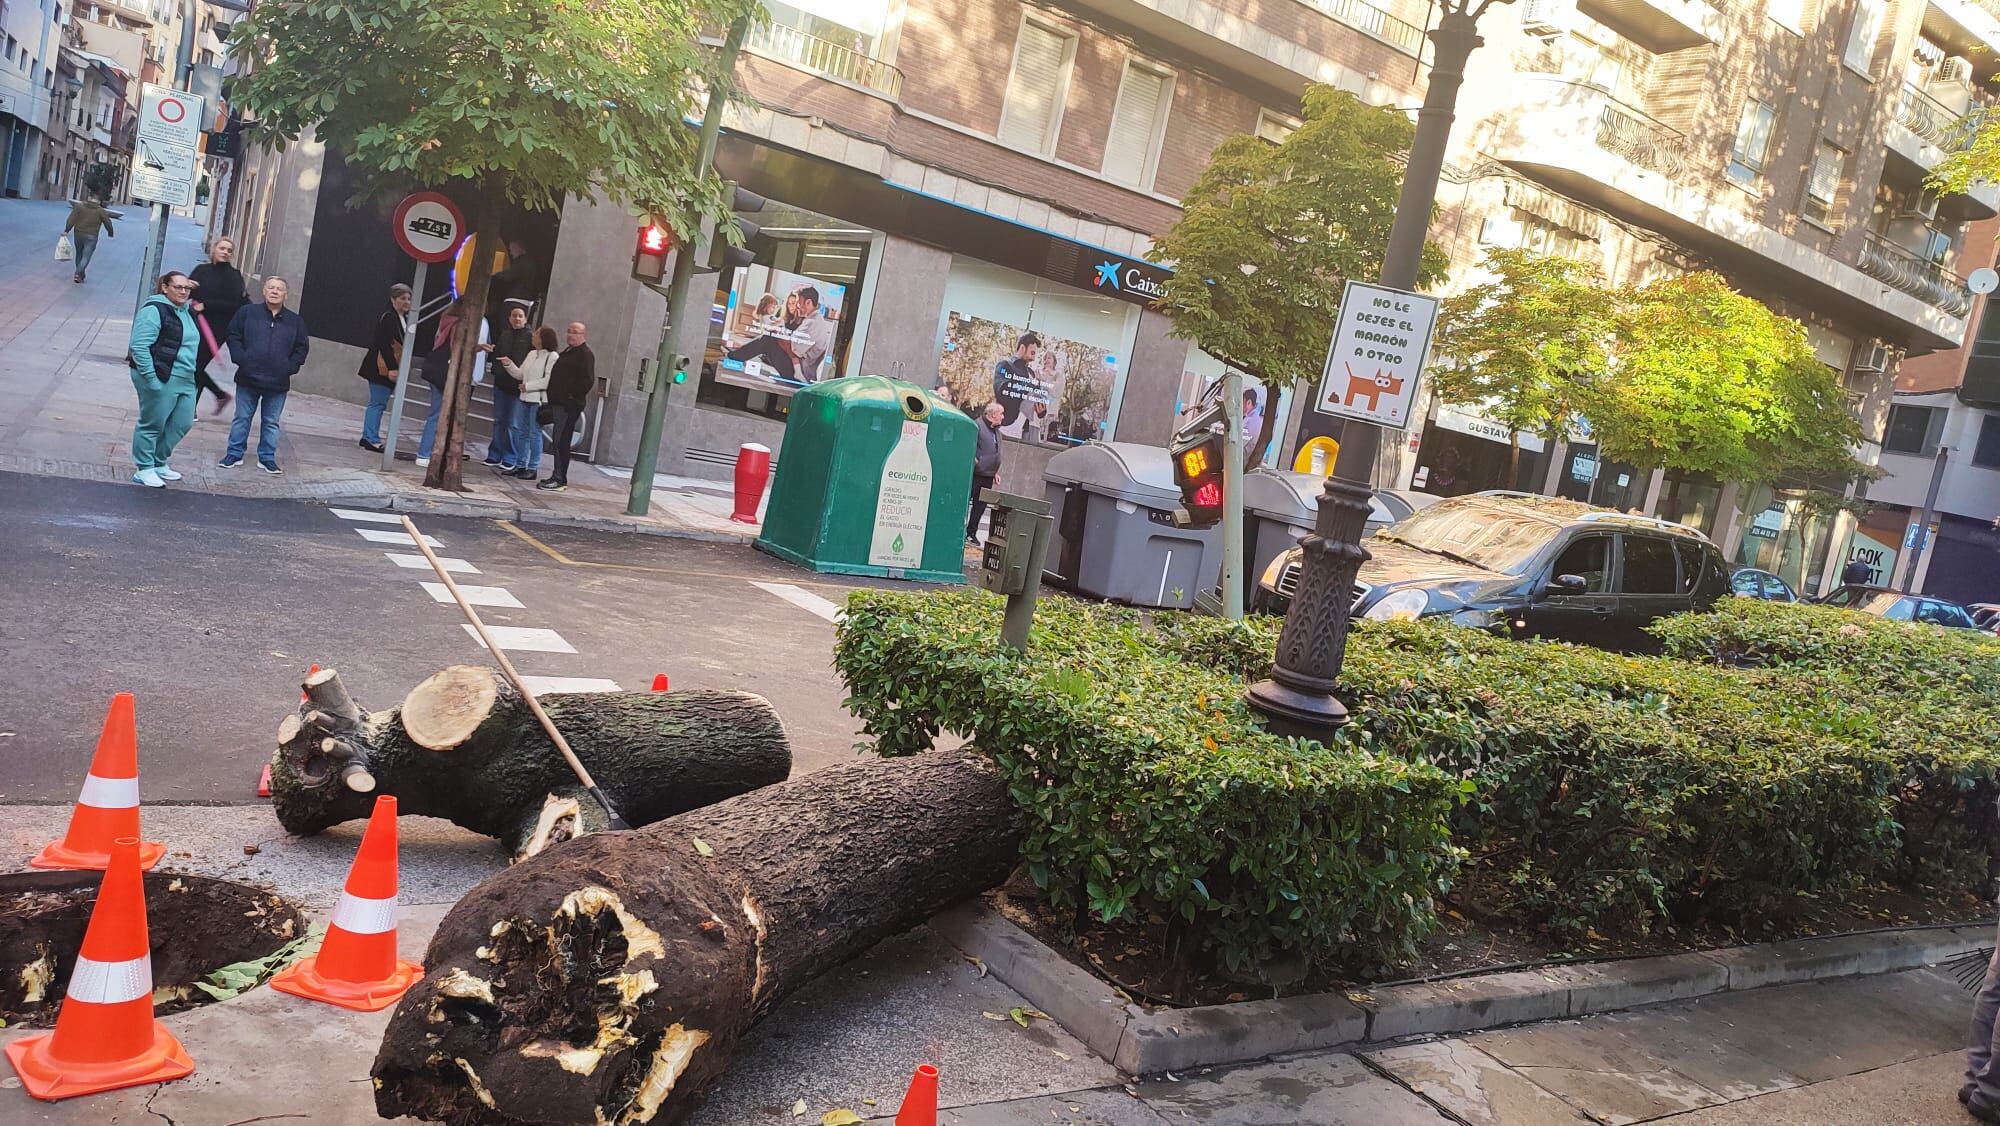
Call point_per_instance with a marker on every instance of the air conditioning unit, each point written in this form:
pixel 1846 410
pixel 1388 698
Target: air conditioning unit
pixel 1547 17
pixel 1875 359
pixel 1924 206
pixel 1954 70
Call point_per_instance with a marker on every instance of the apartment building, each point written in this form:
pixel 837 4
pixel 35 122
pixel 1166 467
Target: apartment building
pixel 1782 143
pixel 30 40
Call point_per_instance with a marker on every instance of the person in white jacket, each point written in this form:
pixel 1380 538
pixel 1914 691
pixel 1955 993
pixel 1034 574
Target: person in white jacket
pixel 533 372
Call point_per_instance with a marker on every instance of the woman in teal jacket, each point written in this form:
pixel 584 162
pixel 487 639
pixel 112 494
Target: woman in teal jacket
pixel 164 342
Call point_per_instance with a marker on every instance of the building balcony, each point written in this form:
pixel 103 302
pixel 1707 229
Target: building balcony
pixel 1915 275
pixel 1659 25
pixel 1924 132
pixel 1970 27
pixel 790 45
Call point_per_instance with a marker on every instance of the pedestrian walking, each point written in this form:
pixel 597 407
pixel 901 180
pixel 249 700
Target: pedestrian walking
pixel 535 373
pixel 985 465
pixel 437 366
pixel 268 343
pixel 514 343
pixel 1857 572
pixel 1981 1091
pixel 86 218
pixel 161 355
pixel 219 292
pixel 381 362
pixel 570 383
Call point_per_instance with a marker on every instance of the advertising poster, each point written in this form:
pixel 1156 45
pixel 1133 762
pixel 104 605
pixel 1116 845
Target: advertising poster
pixel 1258 400
pixel 904 502
pixel 1053 390
pixel 779 329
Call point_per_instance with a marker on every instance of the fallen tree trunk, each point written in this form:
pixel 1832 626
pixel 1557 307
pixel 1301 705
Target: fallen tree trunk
pixel 464 746
pixel 609 981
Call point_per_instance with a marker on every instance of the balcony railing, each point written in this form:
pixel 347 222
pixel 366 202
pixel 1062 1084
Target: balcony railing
pixel 1363 16
pixel 1915 275
pixel 828 58
pixel 1640 139
pixel 1936 122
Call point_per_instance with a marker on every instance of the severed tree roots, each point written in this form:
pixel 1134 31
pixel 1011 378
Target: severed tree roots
pixel 464 746
pixel 610 980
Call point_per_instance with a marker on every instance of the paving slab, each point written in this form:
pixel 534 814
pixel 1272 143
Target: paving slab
pixel 1107 1107
pixel 1322 1090
pixel 1920 1092
pixel 1473 1085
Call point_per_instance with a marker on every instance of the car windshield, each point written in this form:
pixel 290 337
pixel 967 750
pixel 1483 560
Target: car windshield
pixel 1887 605
pixel 1493 538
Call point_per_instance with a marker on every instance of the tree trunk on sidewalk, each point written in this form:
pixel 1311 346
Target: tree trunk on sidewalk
pixel 611 980
pixel 463 746
pixel 449 450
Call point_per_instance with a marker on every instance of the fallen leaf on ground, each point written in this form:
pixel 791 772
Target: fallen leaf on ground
pixel 993 1016
pixel 1023 1016
pixel 703 847
pixel 799 1109
pixel 976 963
pixel 1064 1056
pixel 840 1117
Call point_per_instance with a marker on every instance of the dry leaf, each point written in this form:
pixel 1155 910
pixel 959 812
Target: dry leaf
pixel 976 963
pixel 1023 1016
pixel 840 1117
pixel 993 1016
pixel 1063 1056
pixel 867 1102
pixel 799 1109
pixel 703 847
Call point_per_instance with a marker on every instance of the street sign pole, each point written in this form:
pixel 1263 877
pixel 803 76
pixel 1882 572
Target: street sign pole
pixel 410 321
pixel 156 235
pixel 428 228
pixel 1232 494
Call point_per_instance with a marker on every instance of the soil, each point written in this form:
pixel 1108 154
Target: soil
pixel 197 925
pixel 1131 956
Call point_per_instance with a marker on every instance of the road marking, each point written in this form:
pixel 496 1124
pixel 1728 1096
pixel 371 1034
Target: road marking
pixel 366 517
pixel 678 572
pixel 803 599
pixel 419 563
pixel 541 684
pixel 381 535
pixel 527 639
pixel 477 595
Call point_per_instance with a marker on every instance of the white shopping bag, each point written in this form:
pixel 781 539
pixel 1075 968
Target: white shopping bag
pixel 62 248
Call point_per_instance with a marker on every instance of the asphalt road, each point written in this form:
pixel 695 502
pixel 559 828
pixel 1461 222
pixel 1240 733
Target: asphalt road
pixel 211 608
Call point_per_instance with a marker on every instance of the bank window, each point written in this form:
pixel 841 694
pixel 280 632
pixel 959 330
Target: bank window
pixel 1650 567
pixel 1861 35
pixel 1914 430
pixel 1138 124
pixel 1823 183
pixel 1986 452
pixel 1033 108
pixel 1753 141
pixel 1275 127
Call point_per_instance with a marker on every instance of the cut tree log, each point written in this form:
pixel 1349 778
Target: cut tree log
pixel 610 981
pixel 464 746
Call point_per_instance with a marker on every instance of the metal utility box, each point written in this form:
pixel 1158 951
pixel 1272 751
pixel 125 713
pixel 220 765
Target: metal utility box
pixel 1114 536
pixel 874 478
pixel 1009 564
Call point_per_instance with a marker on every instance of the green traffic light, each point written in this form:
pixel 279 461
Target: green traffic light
pixel 680 377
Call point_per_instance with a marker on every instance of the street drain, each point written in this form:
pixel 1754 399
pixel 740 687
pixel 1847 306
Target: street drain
pixel 197 926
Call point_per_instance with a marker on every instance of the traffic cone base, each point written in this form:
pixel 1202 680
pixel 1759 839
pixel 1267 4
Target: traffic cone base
pixel 58 854
pixel 304 980
pixel 45 1077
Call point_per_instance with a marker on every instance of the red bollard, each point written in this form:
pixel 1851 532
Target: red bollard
pixel 753 469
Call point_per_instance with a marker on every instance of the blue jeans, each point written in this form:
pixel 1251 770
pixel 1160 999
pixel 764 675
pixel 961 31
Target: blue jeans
pixel 371 420
pixel 82 247
pixel 250 401
pixel 528 436
pixel 501 448
pixel 431 423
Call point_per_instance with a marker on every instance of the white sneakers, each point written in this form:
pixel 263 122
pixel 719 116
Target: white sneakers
pixel 166 473
pixel 150 478
pixel 423 461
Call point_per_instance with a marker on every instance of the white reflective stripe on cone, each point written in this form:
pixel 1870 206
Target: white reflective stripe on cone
pixel 356 915
pixel 109 793
pixel 110 983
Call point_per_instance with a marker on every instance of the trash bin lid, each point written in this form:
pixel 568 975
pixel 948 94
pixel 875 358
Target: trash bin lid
pixel 1121 470
pixel 1282 494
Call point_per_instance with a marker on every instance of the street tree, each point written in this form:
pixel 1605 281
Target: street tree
pixel 1529 348
pixel 1268 234
pixel 497 103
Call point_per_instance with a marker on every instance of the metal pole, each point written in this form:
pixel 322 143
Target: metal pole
pixel 410 323
pixel 648 459
pixel 1924 521
pixel 1232 494
pixel 156 235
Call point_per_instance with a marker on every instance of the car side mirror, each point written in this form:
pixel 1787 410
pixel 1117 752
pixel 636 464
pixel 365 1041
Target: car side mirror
pixel 1567 584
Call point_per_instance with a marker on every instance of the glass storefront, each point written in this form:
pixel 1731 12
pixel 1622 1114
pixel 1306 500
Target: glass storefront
pixel 1692 499
pixel 1461 453
pixel 1054 357
pixel 1784 537
pixel 1614 484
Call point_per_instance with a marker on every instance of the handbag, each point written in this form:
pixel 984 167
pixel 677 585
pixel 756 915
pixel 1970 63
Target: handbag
pixel 63 252
pixel 436 366
pixel 545 414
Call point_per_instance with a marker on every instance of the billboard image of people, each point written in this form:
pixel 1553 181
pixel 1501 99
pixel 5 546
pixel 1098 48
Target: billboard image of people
pixel 1203 372
pixel 778 330
pixel 1052 389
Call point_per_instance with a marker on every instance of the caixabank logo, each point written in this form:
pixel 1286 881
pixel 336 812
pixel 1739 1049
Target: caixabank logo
pixel 1128 278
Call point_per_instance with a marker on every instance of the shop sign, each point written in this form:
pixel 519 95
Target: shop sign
pixel 1126 278
pixel 1480 427
pixel 1880 557
pixel 1378 351
pixel 1583 467
pixel 903 504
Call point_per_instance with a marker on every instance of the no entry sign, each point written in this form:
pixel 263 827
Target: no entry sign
pixel 165 149
pixel 428 226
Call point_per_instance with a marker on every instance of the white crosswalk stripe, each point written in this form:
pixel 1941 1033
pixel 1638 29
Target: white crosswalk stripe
pixel 477 595
pixel 803 599
pixel 527 639
pixel 366 517
pixel 383 535
pixel 540 684
pixel 410 562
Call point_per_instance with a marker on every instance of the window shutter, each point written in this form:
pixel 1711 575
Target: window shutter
pixel 1861 36
pixel 1142 100
pixel 1825 174
pixel 1030 109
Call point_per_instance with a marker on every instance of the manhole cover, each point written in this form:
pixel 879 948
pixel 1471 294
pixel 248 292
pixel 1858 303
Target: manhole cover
pixel 197 925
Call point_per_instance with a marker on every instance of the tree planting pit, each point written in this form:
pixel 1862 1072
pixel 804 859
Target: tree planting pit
pixel 197 925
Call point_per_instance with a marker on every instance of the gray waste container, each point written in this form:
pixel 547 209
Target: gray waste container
pixel 1280 507
pixel 1114 536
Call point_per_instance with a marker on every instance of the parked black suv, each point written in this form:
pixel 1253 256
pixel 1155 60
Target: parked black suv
pixel 1528 566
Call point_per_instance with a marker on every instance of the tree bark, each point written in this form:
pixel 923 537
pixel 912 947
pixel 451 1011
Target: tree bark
pixel 1265 429
pixel 449 449
pixel 478 758
pixel 611 980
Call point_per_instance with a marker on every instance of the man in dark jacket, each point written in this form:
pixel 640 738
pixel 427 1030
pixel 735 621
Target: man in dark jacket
pixel 1857 572
pixel 985 464
pixel 570 384
pixel 268 344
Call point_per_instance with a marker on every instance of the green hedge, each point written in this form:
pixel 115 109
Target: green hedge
pixel 1146 789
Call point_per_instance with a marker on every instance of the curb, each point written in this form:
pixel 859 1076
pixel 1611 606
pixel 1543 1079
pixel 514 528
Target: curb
pixel 1139 1042
pixel 476 508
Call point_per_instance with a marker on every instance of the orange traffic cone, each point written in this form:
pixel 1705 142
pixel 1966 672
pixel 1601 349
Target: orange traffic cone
pixel 659 682
pixel 356 967
pixel 920 1104
pixel 108 808
pixel 105 1035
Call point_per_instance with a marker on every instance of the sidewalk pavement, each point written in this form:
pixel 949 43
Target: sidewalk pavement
pixel 72 409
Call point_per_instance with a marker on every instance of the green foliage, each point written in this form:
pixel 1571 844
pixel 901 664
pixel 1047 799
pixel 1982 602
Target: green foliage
pixel 1269 233
pixel 537 100
pixel 1145 786
pixel 241 977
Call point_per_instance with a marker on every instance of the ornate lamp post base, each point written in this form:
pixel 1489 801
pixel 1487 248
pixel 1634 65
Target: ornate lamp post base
pixel 1302 715
pixel 1298 698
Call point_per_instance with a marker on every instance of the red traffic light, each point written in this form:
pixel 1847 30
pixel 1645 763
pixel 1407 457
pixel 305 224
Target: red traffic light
pixel 1209 495
pixel 649 261
pixel 654 239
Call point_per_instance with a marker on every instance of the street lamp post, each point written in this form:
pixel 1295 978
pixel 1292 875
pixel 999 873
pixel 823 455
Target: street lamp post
pixel 1298 697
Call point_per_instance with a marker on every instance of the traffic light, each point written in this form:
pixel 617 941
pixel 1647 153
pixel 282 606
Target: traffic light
pixel 1197 453
pixel 649 261
pixel 725 254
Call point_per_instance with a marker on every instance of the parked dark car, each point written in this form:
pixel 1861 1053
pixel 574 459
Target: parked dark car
pixel 1527 566
pixel 1985 615
pixel 1883 602
pixel 1752 582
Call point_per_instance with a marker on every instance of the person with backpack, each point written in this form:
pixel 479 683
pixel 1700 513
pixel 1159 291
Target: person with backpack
pixel 381 362
pixel 161 355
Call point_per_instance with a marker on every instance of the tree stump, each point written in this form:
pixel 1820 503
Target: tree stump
pixel 463 746
pixel 610 980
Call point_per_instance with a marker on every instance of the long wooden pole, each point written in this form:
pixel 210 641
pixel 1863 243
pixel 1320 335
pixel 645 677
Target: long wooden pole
pixel 514 678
